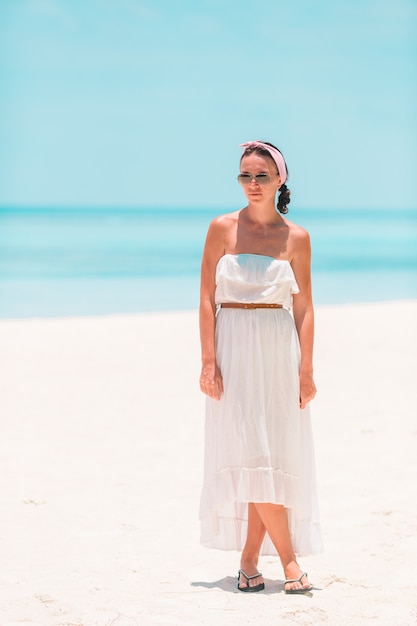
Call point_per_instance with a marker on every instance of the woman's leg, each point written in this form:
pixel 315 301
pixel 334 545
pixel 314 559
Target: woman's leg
pixel 250 553
pixel 275 521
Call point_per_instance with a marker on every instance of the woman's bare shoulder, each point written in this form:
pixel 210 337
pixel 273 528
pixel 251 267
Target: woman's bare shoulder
pixel 226 218
pixel 220 232
pixel 223 223
pixel 299 246
pixel 296 229
pixel 297 232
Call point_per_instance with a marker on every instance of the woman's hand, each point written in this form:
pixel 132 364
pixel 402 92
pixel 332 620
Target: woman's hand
pixel 307 389
pixel 211 381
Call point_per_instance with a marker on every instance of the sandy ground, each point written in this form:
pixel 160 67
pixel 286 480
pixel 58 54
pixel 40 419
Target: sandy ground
pixel 101 468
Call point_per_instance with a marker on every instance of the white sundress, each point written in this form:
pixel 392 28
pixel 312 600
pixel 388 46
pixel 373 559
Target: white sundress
pixel 258 442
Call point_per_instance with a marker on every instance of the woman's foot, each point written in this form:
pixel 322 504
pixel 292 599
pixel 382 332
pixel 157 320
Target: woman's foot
pixel 296 581
pixel 249 568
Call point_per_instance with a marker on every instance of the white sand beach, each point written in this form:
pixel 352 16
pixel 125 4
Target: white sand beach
pixel 101 469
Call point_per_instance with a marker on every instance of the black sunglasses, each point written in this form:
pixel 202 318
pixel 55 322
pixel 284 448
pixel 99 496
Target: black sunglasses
pixel 260 179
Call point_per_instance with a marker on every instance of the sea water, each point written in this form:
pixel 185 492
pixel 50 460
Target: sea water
pixel 83 261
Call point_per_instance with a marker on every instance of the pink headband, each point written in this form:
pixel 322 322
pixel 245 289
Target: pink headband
pixel 275 154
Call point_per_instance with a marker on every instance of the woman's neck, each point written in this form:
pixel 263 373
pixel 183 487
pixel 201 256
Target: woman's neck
pixel 263 213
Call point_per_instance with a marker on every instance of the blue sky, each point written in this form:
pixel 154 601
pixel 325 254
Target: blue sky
pixel 131 103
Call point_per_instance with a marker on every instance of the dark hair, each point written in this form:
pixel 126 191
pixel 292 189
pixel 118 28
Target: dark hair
pixel 284 196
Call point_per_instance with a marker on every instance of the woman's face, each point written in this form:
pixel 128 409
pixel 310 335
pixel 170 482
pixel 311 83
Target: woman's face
pixel 255 164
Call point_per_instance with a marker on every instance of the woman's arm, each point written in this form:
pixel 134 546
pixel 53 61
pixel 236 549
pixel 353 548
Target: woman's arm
pixel 211 382
pixel 304 315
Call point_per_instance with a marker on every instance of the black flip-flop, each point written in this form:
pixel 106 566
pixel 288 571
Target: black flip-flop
pixel 248 589
pixel 298 580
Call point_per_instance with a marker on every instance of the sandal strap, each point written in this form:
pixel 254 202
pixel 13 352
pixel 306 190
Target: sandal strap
pixel 241 571
pixel 296 580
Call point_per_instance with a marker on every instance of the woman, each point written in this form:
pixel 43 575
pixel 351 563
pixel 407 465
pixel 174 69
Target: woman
pixel 259 483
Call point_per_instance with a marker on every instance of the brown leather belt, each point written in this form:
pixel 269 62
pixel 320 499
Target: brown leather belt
pixel 250 305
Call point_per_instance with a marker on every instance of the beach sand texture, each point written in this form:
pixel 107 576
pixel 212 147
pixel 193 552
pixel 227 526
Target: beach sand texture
pixel 101 470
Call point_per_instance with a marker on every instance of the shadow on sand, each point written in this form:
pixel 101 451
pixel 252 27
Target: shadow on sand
pixel 229 583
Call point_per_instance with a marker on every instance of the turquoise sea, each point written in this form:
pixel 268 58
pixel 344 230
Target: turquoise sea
pixel 65 262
